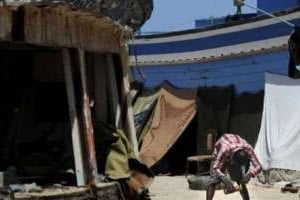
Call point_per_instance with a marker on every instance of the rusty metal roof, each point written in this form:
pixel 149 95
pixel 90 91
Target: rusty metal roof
pixel 61 26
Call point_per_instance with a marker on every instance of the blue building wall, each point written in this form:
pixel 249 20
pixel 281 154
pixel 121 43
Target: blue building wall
pixel 245 73
pixel 276 5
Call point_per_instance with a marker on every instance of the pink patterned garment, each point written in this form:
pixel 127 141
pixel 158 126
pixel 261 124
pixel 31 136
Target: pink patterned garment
pixel 225 148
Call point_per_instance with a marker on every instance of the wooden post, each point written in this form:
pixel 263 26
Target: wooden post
pixel 87 122
pixel 114 93
pixel 126 94
pixel 76 139
pixel 6 23
pixel 100 98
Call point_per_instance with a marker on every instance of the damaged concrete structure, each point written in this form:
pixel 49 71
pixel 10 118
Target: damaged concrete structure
pixel 61 71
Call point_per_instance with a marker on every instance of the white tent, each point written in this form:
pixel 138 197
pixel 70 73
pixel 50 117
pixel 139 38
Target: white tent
pixel 278 143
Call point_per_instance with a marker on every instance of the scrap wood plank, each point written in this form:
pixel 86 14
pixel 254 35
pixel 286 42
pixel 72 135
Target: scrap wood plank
pixel 57 193
pixel 6 23
pixel 87 121
pixel 76 136
pixel 127 101
pixel 101 191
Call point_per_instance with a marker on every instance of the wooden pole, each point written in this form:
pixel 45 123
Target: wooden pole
pixel 114 93
pixel 87 121
pixel 75 130
pixel 126 94
pixel 100 85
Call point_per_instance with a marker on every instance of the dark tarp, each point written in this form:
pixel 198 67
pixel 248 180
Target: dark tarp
pixel 117 161
pixel 213 107
pixel 245 115
pixel 217 107
pixel 135 89
pixel 174 110
pixel 174 162
pixel 114 151
pixel 294 50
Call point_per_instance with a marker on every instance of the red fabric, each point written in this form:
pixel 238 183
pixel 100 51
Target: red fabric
pixel 225 148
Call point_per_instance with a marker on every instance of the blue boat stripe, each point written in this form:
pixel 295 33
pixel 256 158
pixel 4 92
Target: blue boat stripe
pixel 217 41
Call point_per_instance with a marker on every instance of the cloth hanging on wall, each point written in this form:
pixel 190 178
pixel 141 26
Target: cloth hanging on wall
pixel 279 137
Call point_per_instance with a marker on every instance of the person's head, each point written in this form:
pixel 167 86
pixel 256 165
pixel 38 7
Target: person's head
pixel 241 157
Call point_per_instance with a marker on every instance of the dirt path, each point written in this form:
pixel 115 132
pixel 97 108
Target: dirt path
pixel 176 188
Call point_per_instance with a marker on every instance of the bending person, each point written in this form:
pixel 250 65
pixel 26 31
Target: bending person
pixel 234 155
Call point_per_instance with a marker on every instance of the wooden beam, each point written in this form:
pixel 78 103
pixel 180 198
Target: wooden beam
pixel 87 121
pixel 113 90
pixel 127 98
pixel 100 85
pixel 76 137
pixel 6 23
pixel 77 28
pixel 22 46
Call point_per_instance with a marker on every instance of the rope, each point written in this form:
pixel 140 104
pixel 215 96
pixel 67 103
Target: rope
pixel 136 60
pixel 267 13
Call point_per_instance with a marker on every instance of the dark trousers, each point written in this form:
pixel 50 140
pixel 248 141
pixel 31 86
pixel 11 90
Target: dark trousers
pixel 236 172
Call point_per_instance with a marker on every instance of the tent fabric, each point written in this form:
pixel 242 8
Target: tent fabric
pixel 213 108
pixel 113 151
pixel 135 89
pixel 143 108
pixel 245 115
pixel 117 161
pixel 117 166
pixel 174 110
pixel 145 128
pixel 278 141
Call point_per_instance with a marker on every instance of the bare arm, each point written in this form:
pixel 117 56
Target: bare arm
pixel 256 166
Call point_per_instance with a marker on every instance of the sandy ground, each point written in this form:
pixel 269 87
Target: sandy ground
pixel 176 188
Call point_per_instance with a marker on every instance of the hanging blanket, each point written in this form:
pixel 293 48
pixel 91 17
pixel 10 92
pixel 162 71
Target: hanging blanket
pixel 279 137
